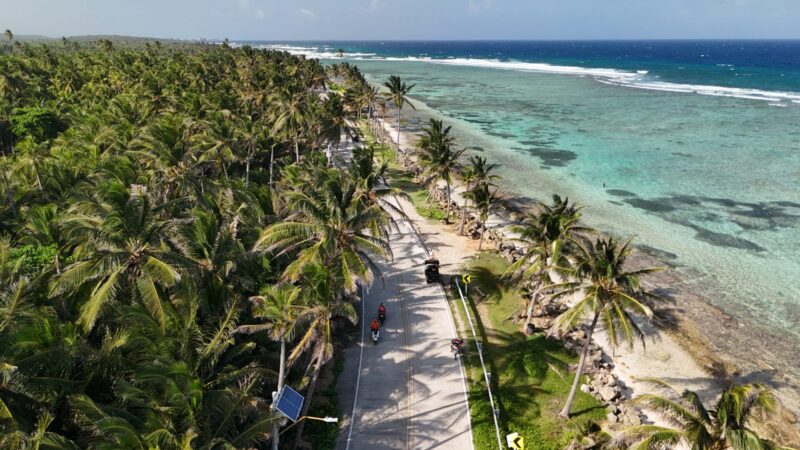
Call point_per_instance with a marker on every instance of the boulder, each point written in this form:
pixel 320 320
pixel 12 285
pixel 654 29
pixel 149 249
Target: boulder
pixel 611 417
pixel 607 393
pixel 632 419
pixel 542 323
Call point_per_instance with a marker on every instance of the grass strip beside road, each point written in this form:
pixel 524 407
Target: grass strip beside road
pixel 530 379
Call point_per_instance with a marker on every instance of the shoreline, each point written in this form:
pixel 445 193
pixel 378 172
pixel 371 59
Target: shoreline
pixel 676 349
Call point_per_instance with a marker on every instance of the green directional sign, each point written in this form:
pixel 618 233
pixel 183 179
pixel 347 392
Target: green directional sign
pixel 466 278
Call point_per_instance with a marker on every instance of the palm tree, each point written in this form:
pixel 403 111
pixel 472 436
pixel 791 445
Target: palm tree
pixel 371 182
pixel 332 224
pixel 477 173
pixel 249 137
pixel 335 121
pixel 123 261
pixel 123 243
pixel 435 138
pixel 282 307
pixel 210 242
pixel 485 199
pixel 289 116
pixel 438 159
pixel 467 177
pixel 322 288
pixel 550 235
pixel 39 438
pixel 606 291
pixel 367 96
pixel 398 94
pixel 694 425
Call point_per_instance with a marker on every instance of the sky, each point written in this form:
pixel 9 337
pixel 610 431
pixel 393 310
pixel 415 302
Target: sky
pixel 406 19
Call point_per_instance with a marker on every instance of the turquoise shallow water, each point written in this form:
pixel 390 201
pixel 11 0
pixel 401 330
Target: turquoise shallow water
pixel 709 184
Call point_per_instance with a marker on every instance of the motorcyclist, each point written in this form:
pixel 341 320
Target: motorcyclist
pixel 382 312
pixel 374 326
pixel 456 346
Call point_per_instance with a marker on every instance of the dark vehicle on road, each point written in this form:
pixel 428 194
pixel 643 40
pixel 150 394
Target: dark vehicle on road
pixel 432 270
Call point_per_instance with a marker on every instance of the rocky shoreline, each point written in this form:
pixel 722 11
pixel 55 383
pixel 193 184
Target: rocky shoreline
pixel 609 383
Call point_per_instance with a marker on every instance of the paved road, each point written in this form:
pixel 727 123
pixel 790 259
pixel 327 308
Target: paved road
pixel 406 392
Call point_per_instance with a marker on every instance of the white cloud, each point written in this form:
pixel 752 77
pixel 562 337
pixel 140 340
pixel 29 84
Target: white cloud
pixel 376 5
pixel 260 14
pixel 311 15
pixel 479 6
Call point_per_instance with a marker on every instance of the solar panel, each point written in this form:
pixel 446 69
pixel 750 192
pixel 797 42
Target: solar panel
pixel 289 403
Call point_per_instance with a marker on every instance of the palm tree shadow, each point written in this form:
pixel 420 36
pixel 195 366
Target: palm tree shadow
pixel 586 410
pixel 490 287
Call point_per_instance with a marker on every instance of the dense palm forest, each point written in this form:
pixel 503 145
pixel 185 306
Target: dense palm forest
pixel 173 242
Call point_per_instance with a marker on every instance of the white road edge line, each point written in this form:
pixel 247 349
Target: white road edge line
pixel 358 374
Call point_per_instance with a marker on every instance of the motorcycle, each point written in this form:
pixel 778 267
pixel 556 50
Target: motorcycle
pixel 376 334
pixel 457 347
pixel 382 316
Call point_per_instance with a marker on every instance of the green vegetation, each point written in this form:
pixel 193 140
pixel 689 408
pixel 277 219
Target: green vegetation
pixel 725 426
pixel 173 246
pixel 402 180
pixel 532 379
pixel 608 293
pixel 398 95
pixel 437 158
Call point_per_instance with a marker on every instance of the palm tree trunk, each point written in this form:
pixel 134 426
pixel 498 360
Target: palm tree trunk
pixel 447 214
pixel 309 395
pixel 271 162
pixel 463 217
pixel 534 297
pixel 36 171
pixel 247 173
pixel 382 130
pixel 282 366
pixel 281 375
pixel 398 131
pixel 297 150
pixel 565 412
pixel 483 230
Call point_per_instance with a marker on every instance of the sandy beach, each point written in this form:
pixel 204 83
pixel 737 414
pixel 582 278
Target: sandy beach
pixel 675 350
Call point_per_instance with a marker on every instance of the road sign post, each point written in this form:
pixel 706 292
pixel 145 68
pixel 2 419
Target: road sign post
pixel 515 441
pixel 466 279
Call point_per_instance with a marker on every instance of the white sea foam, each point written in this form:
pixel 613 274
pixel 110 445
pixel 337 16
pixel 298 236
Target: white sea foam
pixel 315 52
pixel 639 79
pixel 538 67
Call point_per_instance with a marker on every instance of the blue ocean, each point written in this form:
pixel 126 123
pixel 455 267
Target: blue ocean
pixel 691 146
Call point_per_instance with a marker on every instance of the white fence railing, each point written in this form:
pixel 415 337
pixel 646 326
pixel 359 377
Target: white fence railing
pixel 486 375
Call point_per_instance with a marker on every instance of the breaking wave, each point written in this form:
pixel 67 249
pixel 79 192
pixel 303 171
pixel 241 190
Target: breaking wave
pixel 639 79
